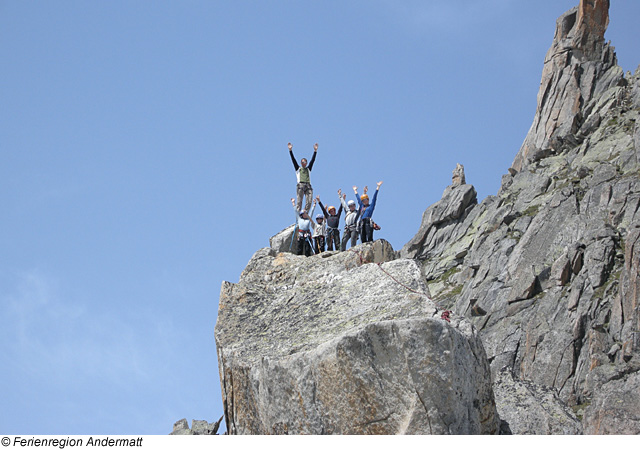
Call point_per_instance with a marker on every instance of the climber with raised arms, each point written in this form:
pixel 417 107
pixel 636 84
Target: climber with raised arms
pixel 303 176
pixel 351 216
pixel 333 224
pixel 366 224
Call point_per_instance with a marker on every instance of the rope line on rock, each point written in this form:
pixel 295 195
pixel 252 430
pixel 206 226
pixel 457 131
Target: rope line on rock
pixel 445 314
pixel 402 284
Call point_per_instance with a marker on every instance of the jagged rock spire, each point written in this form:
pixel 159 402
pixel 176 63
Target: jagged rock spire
pixel 458 178
pixel 578 66
pixel 593 20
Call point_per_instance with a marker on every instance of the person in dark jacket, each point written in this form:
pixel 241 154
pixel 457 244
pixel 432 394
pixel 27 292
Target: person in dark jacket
pixel 333 224
pixel 303 176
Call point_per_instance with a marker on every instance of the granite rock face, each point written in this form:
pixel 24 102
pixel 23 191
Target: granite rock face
pixel 346 343
pixel 547 270
pixel 615 407
pixel 527 408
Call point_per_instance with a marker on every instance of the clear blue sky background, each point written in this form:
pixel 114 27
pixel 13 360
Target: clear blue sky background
pixel 143 160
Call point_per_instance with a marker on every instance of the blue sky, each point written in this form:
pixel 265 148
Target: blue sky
pixel 143 160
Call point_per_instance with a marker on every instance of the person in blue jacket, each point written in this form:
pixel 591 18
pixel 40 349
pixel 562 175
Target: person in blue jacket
pixel 366 208
pixel 305 229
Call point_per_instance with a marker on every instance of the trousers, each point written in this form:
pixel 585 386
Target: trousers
pixel 304 190
pixel 304 244
pixel 333 237
pixel 366 234
pixel 350 233
pixel 318 243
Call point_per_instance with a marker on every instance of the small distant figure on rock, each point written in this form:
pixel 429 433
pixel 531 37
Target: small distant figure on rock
pixel 351 216
pixel 458 176
pixel 304 224
pixel 319 230
pixel 303 175
pixel 366 224
pixel 333 224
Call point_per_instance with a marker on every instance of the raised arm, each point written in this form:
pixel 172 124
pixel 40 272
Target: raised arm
pixel 342 198
pixel 313 208
pixel 355 191
pixel 313 158
pixel 375 196
pixel 324 211
pixel 293 158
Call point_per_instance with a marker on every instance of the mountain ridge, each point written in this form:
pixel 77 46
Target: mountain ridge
pixel 542 278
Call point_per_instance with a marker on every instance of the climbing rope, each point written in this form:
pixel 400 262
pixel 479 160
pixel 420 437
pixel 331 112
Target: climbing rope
pixel 313 250
pixel 293 236
pixel 446 314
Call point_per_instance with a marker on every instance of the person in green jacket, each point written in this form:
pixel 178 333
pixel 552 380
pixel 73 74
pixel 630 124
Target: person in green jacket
pixel 303 175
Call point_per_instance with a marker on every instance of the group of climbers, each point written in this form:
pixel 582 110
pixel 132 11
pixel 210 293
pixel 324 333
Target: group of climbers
pixel 314 235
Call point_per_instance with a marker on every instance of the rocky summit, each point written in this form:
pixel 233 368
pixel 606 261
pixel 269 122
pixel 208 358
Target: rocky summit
pixel 347 343
pixel 542 280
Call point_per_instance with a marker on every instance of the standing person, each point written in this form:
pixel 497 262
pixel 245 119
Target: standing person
pixel 319 231
pixel 366 211
pixel 333 224
pixel 305 229
pixel 350 222
pixel 303 176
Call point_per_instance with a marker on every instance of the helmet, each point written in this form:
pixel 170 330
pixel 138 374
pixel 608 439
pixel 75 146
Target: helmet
pixel 303 212
pixel 364 197
pixel 351 203
pixel 319 217
pixel 331 209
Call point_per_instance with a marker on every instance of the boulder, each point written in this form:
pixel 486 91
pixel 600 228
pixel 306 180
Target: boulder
pixel 198 427
pixel 281 242
pixel 347 343
pixel 181 427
